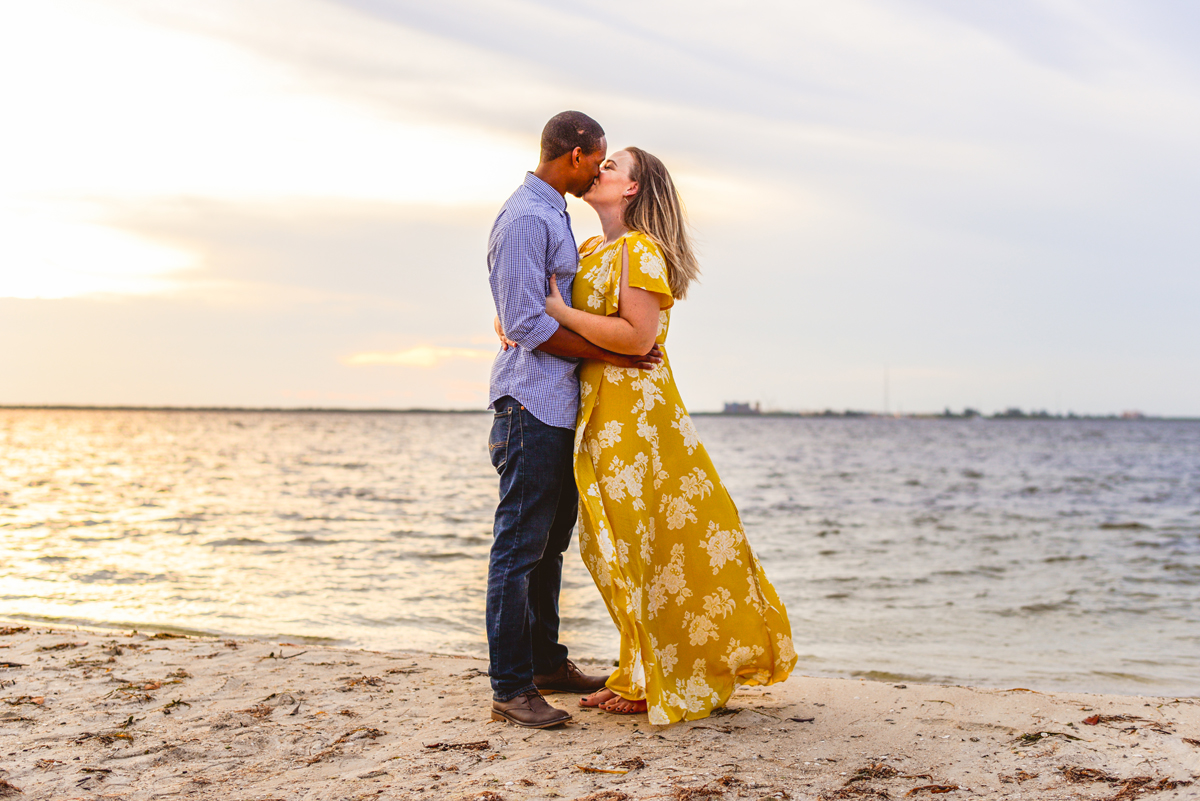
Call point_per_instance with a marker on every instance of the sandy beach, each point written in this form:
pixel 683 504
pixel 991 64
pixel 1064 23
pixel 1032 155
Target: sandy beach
pixel 93 714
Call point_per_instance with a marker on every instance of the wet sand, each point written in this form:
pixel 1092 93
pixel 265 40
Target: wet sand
pixel 117 715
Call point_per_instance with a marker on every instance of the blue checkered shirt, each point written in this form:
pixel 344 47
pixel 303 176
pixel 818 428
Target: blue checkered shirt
pixel 531 239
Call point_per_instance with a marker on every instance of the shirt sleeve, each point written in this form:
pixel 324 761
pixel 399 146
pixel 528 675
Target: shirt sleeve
pixel 519 282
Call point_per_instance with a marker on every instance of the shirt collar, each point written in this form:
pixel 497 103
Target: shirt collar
pixel 546 193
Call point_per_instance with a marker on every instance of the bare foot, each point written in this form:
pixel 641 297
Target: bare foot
pixel 623 706
pixel 597 698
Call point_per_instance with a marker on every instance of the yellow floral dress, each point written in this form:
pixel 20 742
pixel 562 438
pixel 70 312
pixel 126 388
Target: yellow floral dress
pixel 657 529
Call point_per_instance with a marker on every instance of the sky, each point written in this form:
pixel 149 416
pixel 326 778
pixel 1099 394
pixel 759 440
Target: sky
pixel 286 202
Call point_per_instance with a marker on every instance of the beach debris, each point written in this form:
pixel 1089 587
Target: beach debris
pixel 281 656
pixel 1190 741
pixel 361 733
pixel 277 700
pixel 479 745
pixel 179 675
pixel 362 681
pixel 328 752
pixel 13 717
pixel 473 673
pixel 46 764
pixel 935 789
pixel 405 671
pixel 1129 788
pixel 61 646
pixel 166 710
pixel 350 713
pixel 9 790
pixel 1142 785
pixel 855 791
pixel 11 664
pixel 1096 720
pixel 604 795
pixel 875 770
pixel 587 769
pixel 37 700
pixel 803 720
pixel 1037 736
pixel 633 763
pixel 8 631
pixel 1018 778
pixel 375 774
pixel 485 795
pixel 688 793
pixel 84 662
pixel 104 738
pixel 166 635
pixel 1083 775
pixel 258 711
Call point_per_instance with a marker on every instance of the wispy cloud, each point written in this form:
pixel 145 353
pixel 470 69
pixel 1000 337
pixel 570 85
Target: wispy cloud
pixel 421 356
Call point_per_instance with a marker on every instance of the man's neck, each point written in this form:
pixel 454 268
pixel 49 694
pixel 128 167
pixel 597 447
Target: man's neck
pixel 550 175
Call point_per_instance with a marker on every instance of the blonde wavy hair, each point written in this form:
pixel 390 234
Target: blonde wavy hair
pixel 657 212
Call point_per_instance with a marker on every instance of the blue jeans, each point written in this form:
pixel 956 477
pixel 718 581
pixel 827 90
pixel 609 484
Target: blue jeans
pixel 537 511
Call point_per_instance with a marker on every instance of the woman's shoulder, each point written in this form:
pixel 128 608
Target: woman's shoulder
pixel 647 254
pixel 636 240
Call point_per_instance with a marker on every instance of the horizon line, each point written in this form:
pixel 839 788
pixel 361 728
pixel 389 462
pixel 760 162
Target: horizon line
pixel 825 413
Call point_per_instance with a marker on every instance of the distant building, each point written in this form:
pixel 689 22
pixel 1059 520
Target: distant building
pixel 742 408
pixel 1132 415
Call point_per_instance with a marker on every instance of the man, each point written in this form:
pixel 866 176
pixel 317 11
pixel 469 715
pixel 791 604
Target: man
pixel 535 394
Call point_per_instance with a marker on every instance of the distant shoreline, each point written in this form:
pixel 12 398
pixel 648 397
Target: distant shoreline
pixel 824 415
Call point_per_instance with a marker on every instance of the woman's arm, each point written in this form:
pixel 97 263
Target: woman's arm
pixel 631 331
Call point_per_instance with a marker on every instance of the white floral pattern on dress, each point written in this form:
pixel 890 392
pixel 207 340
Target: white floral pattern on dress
pixel 687 429
pixel 651 261
pixel 609 435
pixel 722 546
pixel 624 478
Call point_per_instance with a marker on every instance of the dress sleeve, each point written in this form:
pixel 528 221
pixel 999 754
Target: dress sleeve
pixel 648 268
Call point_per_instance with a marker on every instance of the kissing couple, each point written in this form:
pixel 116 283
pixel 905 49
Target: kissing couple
pixel 589 425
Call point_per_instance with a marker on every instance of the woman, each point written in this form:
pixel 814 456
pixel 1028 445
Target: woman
pixel 658 531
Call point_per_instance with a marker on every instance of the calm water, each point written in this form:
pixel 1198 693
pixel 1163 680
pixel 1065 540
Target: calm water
pixel 1054 555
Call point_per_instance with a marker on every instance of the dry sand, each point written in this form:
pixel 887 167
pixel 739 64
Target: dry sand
pixel 92 715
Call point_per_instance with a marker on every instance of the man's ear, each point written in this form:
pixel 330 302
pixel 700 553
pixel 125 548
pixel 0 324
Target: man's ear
pixel 577 157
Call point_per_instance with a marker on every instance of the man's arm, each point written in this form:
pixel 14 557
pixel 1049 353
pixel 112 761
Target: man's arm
pixel 518 279
pixel 566 343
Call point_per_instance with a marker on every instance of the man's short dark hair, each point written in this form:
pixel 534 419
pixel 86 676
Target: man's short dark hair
pixel 567 131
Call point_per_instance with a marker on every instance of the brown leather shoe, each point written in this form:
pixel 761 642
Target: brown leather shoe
pixel 529 710
pixel 569 679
